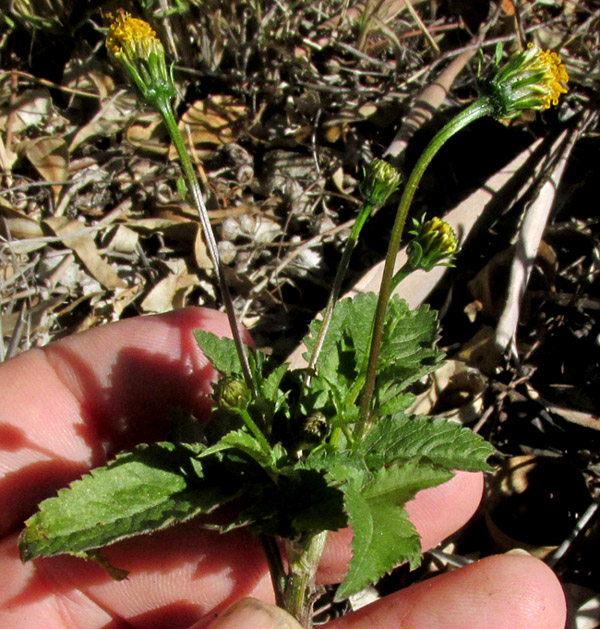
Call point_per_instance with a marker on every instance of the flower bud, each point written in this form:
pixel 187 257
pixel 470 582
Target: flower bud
pixel 133 45
pixel 380 182
pixel 434 244
pixel 530 79
pixel 231 392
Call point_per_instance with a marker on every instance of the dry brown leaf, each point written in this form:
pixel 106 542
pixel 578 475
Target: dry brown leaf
pixel 35 315
pixel 455 392
pixel 122 239
pixel 527 248
pixel 385 12
pixel 143 133
pixel 124 297
pixel 213 121
pixel 7 157
pixel 91 82
pixel 200 252
pixel 18 225
pixel 508 7
pixel 72 233
pixel 151 225
pixel 31 109
pixel 488 287
pixel 170 292
pixel 480 351
pixel 338 179
pixel 426 104
pixel 50 157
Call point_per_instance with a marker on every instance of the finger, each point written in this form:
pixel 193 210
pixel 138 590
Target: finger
pixel 186 573
pixel 249 613
pixel 501 592
pixel 436 513
pixel 176 577
pixel 67 407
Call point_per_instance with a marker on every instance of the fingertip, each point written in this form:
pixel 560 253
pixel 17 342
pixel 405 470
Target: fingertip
pixel 531 589
pixel 499 592
pixel 250 612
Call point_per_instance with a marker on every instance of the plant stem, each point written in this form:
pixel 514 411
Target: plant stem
pixel 304 556
pixel 401 274
pixel 364 213
pixel 278 578
pixel 477 110
pixel 166 111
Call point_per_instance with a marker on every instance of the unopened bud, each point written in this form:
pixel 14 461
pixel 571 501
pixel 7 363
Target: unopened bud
pixel 231 392
pixel 380 182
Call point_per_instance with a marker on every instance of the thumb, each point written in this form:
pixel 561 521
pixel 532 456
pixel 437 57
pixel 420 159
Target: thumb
pixel 250 613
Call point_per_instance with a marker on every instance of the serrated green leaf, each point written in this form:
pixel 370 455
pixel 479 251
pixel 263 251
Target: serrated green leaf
pixel 383 535
pixel 360 323
pixel 247 443
pixel 221 352
pixel 340 467
pixel 438 441
pixel 408 352
pixel 147 489
pixel 270 385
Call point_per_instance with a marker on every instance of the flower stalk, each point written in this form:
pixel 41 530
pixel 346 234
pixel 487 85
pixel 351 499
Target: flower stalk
pixel 530 79
pixel 477 110
pixel 132 44
pixel 380 182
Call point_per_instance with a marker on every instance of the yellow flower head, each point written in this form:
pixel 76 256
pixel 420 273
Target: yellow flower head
pixel 132 37
pixel 132 44
pixel 434 244
pixel 530 79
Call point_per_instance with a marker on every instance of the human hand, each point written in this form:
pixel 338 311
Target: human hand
pixel 73 404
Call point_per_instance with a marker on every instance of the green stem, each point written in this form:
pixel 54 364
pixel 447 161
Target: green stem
pixel 278 578
pixel 364 213
pixel 401 274
pixel 256 431
pixel 164 107
pixel 304 556
pixel 478 109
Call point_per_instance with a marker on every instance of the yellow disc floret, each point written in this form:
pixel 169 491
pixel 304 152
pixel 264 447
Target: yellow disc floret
pixel 555 77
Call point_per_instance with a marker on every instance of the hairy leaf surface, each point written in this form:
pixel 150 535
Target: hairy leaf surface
pixel 438 441
pixel 140 491
pixel 383 535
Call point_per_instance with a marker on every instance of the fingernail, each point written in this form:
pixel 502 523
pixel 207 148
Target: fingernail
pixel 250 613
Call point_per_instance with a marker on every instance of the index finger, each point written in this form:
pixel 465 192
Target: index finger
pixel 69 406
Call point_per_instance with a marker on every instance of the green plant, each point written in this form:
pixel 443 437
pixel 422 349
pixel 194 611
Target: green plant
pixel 297 453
